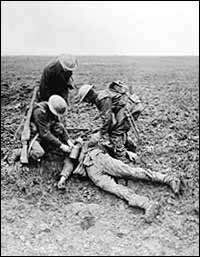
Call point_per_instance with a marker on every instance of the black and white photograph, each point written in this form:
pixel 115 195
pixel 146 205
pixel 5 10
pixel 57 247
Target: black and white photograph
pixel 99 128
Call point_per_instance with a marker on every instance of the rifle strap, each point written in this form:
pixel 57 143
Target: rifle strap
pixel 133 125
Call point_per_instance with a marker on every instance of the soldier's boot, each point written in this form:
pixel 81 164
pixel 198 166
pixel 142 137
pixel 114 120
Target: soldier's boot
pixel 173 181
pixel 151 208
pixel 133 157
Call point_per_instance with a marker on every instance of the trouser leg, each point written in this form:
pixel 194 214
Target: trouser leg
pixel 36 151
pixel 98 173
pixel 107 183
pixel 67 167
pixel 120 169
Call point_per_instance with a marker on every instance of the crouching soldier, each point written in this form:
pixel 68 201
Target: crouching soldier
pixel 47 130
pixel 113 104
pixel 125 122
pixel 101 168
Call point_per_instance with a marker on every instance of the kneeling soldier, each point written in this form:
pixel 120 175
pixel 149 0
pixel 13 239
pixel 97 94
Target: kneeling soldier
pixel 118 110
pixel 47 130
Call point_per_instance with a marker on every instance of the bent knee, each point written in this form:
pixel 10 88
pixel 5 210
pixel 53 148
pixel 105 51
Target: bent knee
pixel 104 182
pixel 36 151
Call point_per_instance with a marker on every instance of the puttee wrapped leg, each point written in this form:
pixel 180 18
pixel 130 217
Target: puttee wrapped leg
pixel 108 184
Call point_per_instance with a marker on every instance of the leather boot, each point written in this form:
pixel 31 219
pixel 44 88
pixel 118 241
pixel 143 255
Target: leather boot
pixel 151 208
pixel 174 182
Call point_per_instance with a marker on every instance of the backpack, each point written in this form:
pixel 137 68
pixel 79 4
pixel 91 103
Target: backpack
pixel 121 96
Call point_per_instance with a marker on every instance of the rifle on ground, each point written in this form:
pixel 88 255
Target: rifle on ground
pixel 89 130
pixel 26 133
pixel 70 129
pixel 18 131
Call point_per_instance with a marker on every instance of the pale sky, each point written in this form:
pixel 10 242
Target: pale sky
pixel 100 27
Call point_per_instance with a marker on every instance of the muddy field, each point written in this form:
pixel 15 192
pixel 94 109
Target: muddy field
pixel 39 220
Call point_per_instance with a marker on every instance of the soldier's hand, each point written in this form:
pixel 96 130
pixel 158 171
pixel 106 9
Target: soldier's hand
pixel 65 148
pixel 70 142
pixel 132 156
pixel 79 140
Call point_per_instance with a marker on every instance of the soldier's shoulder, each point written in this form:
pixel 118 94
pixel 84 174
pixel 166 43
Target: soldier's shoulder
pixel 51 66
pixel 103 94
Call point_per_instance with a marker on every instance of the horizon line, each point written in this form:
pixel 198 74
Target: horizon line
pixel 159 55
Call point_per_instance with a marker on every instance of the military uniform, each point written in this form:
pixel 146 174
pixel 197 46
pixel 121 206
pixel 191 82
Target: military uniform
pixel 47 133
pixel 119 136
pixel 112 107
pixel 101 168
pixel 56 81
pixel 51 131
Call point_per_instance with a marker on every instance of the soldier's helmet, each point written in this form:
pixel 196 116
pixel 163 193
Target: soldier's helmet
pixel 57 105
pixel 118 86
pixel 83 91
pixel 68 62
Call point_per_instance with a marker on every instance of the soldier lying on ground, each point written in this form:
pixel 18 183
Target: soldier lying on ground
pixel 47 130
pixel 101 168
pixel 114 103
pixel 57 78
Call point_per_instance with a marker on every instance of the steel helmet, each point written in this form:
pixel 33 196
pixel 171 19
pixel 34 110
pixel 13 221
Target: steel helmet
pixel 57 105
pixel 68 62
pixel 121 85
pixel 83 91
pixel 118 82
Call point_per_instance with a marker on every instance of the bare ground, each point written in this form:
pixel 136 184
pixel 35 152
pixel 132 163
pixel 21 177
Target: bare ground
pixel 38 220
